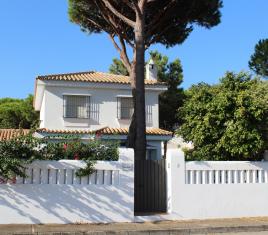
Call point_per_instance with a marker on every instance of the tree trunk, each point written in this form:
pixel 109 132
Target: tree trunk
pixel 137 129
pixel 140 140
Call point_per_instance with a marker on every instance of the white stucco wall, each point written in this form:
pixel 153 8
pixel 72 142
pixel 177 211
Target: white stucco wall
pixel 207 201
pixel 42 112
pixel 109 197
pixel 46 198
pixel 104 100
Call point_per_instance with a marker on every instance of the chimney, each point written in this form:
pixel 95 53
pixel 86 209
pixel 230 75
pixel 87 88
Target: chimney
pixel 151 70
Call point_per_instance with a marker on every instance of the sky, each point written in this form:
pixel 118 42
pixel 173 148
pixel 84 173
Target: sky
pixel 37 38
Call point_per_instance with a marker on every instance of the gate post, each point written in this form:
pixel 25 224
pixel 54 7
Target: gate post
pixel 126 158
pixel 175 167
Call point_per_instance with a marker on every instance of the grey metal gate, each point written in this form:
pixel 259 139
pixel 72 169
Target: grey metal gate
pixel 150 186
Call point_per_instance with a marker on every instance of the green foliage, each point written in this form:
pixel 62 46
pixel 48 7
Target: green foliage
pixel 169 101
pixel 18 113
pixel 166 22
pixel 69 148
pixel 16 153
pixel 117 67
pixel 259 60
pixel 227 121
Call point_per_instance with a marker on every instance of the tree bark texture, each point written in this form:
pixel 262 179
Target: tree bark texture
pixel 140 125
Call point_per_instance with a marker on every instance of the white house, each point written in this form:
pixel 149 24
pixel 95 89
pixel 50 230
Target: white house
pixel 86 102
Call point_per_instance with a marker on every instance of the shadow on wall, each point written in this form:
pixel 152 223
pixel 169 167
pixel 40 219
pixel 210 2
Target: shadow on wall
pixel 67 203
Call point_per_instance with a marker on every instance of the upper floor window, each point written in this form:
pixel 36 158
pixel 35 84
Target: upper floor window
pixel 76 106
pixel 125 107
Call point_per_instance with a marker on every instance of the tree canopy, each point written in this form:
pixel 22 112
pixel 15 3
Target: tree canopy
pixel 167 22
pixel 227 121
pixel 18 113
pixel 259 60
pixel 169 101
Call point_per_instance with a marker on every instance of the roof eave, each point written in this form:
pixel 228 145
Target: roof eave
pixel 148 137
pixel 101 85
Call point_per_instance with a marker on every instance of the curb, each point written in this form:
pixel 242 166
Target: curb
pixel 173 231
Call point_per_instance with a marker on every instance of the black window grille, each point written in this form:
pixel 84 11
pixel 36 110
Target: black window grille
pixel 76 106
pixel 149 114
pixel 125 107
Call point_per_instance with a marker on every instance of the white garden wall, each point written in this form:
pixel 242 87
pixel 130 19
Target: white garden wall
pixel 201 190
pixel 53 194
pixel 196 190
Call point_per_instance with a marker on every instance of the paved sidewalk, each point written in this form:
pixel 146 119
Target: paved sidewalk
pixel 231 226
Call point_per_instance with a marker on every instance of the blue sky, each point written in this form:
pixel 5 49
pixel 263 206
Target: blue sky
pixel 36 38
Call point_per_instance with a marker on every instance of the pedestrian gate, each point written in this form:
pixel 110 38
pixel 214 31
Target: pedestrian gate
pixel 150 186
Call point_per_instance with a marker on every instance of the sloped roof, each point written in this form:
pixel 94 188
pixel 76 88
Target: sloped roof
pixel 7 134
pixel 95 77
pixel 122 131
pixel 107 131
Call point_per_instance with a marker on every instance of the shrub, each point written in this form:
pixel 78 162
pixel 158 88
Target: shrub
pixel 16 153
pixel 226 121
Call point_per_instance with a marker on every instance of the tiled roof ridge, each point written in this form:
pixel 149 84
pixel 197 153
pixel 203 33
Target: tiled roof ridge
pixel 80 73
pixel 69 131
pixel 7 134
pixel 105 130
pixel 95 77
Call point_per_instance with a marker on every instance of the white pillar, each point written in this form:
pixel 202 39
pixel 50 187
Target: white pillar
pixel 175 164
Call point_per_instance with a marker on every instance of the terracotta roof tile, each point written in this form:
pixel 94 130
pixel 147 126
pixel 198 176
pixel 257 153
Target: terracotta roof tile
pixel 95 77
pixel 124 131
pixel 107 131
pixel 54 131
pixel 7 134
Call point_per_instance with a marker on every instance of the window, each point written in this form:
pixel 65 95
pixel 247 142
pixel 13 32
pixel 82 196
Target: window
pixel 76 106
pixel 125 107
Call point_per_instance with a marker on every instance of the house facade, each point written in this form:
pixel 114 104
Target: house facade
pixel 89 102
